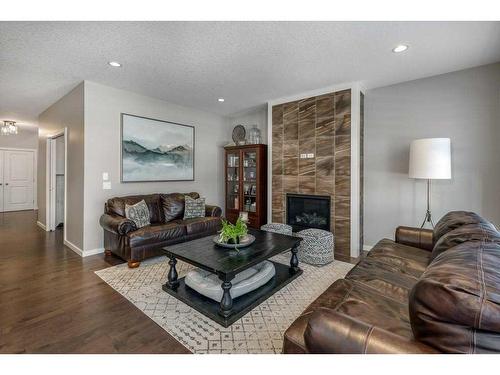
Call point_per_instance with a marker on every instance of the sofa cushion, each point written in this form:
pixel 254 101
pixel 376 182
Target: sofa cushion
pixel 358 301
pixel 201 224
pixel 156 234
pixel 193 207
pixel 407 259
pixel 138 213
pixel 454 219
pixel 117 206
pixel 384 278
pixel 455 306
pixel 173 205
pixel 470 232
pixel 366 304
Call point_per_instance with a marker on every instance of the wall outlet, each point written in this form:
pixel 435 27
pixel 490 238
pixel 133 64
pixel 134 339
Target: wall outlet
pixel 105 176
pixel 106 185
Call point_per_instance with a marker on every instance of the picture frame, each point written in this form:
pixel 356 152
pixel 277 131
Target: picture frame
pixel 154 150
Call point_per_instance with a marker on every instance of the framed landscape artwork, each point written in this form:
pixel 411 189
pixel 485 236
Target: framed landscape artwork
pixel 156 150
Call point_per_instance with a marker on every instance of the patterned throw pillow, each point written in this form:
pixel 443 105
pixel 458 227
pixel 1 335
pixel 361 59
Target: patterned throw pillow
pixel 194 207
pixel 138 213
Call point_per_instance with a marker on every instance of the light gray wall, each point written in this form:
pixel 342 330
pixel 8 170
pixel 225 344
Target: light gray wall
pixel 103 106
pixel 255 116
pixel 27 137
pixel 67 112
pixel 463 106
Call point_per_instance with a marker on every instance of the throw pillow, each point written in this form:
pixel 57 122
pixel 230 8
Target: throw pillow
pixel 138 213
pixel 194 207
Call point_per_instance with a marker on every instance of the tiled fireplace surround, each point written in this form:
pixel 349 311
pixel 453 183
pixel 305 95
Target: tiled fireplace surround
pixel 311 154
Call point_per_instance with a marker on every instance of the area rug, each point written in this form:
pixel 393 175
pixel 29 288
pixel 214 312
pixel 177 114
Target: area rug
pixel 259 331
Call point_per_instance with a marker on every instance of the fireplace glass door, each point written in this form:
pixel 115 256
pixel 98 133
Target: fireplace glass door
pixel 308 211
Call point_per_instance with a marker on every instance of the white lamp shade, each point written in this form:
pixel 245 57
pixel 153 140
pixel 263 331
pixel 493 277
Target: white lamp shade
pixel 430 158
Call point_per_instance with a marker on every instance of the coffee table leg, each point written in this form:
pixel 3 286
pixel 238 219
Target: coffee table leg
pixel 172 274
pixel 294 261
pixel 226 303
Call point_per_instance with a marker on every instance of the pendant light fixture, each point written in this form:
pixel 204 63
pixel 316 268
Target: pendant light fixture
pixel 8 128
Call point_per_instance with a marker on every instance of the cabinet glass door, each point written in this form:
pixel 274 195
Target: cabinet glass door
pixel 233 181
pixel 250 180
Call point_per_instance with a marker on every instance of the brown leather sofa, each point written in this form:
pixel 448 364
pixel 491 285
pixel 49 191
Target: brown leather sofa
pixel 166 212
pixel 426 292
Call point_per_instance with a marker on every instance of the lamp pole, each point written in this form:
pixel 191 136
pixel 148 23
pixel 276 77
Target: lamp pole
pixel 428 217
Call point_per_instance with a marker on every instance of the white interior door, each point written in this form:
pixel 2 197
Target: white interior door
pixel 52 167
pixel 1 181
pixel 56 181
pixel 18 180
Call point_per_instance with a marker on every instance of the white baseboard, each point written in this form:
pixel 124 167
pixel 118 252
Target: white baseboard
pixel 367 247
pixel 87 253
pixel 73 247
pixel 41 225
pixel 83 253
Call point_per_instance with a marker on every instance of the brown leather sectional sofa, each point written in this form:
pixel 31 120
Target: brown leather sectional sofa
pixel 426 292
pixel 166 212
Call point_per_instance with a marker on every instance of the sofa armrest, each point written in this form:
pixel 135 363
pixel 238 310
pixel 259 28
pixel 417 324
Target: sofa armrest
pixel 214 211
pixel 117 224
pixel 329 331
pixel 416 237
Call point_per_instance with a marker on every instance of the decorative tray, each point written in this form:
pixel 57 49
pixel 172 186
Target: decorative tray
pixel 246 241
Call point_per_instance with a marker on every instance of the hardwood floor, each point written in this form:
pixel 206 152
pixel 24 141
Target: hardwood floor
pixel 52 302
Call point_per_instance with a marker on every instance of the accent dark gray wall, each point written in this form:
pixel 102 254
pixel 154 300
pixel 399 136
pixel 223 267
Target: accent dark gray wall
pixel 463 106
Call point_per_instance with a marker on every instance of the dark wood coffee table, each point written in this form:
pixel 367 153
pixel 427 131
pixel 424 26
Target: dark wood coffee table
pixel 226 263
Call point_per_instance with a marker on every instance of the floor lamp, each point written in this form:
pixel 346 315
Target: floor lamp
pixel 430 159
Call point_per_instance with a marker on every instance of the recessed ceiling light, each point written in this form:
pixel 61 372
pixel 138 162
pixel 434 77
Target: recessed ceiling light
pixel 400 48
pixel 221 100
pixel 115 64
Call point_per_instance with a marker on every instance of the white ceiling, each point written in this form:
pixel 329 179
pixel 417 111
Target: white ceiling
pixel 247 63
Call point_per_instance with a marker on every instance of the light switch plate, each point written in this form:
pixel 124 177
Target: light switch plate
pixel 105 176
pixel 106 185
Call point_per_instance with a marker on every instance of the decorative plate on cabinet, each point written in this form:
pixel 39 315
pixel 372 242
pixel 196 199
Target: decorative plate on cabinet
pixel 239 134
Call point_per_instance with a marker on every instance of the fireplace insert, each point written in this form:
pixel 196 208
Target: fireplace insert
pixel 308 211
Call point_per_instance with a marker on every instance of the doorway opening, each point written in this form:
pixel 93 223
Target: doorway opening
pixel 56 181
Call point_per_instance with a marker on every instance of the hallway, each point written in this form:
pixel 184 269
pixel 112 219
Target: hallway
pixel 52 302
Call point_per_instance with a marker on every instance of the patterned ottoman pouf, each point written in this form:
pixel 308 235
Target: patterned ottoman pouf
pixel 278 228
pixel 316 247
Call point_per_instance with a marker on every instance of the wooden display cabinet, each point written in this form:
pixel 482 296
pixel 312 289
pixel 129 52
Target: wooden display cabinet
pixel 246 183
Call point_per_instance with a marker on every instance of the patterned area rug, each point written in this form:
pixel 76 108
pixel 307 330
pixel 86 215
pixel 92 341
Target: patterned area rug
pixel 259 331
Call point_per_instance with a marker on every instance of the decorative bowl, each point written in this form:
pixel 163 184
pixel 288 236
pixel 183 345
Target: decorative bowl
pixel 244 242
pixel 239 134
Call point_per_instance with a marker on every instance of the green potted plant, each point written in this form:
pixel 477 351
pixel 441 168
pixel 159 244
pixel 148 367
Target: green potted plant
pixel 233 233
